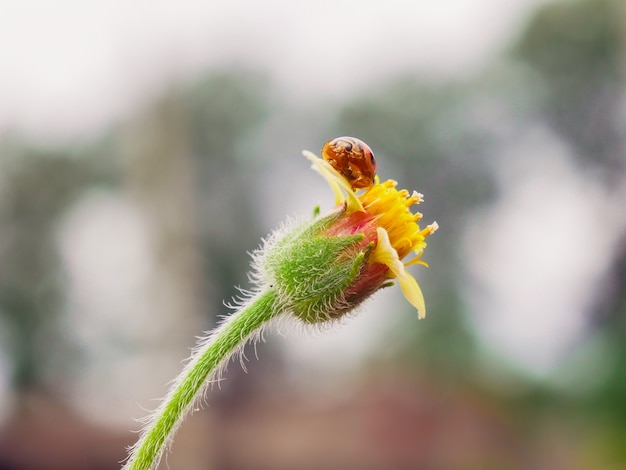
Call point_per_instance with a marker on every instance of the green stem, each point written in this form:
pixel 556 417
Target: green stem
pixel 205 363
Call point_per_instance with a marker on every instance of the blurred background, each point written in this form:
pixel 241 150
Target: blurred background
pixel 145 148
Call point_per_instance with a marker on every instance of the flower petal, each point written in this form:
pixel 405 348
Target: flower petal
pixel 384 253
pixel 336 182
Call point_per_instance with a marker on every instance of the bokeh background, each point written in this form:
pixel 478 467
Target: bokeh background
pixel 146 147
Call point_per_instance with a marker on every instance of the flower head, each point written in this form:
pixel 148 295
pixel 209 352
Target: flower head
pixel 326 267
pixel 385 210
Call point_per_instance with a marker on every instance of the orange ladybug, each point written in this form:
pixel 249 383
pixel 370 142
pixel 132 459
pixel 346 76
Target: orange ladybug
pixel 353 158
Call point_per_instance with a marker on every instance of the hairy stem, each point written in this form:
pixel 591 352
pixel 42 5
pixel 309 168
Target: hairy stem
pixel 211 354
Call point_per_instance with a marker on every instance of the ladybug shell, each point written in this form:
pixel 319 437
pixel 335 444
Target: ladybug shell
pixel 353 158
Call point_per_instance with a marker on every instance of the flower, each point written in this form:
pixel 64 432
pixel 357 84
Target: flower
pixel 318 271
pixel 325 268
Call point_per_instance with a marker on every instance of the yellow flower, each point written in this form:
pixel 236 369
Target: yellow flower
pixel 317 271
pixel 381 213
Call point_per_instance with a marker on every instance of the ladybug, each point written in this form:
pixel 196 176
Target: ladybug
pixel 353 158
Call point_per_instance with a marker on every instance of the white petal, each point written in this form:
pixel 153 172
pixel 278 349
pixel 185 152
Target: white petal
pixel 336 182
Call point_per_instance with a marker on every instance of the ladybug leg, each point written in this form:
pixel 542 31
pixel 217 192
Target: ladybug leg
pixel 360 179
pixel 361 182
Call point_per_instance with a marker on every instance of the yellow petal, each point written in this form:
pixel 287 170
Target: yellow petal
pixel 384 253
pixel 336 182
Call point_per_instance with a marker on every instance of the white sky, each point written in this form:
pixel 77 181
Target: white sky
pixel 535 257
pixel 68 67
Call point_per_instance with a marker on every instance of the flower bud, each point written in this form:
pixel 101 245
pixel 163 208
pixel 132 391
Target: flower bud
pixel 326 267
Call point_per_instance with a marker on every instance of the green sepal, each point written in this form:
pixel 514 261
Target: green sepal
pixel 311 271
